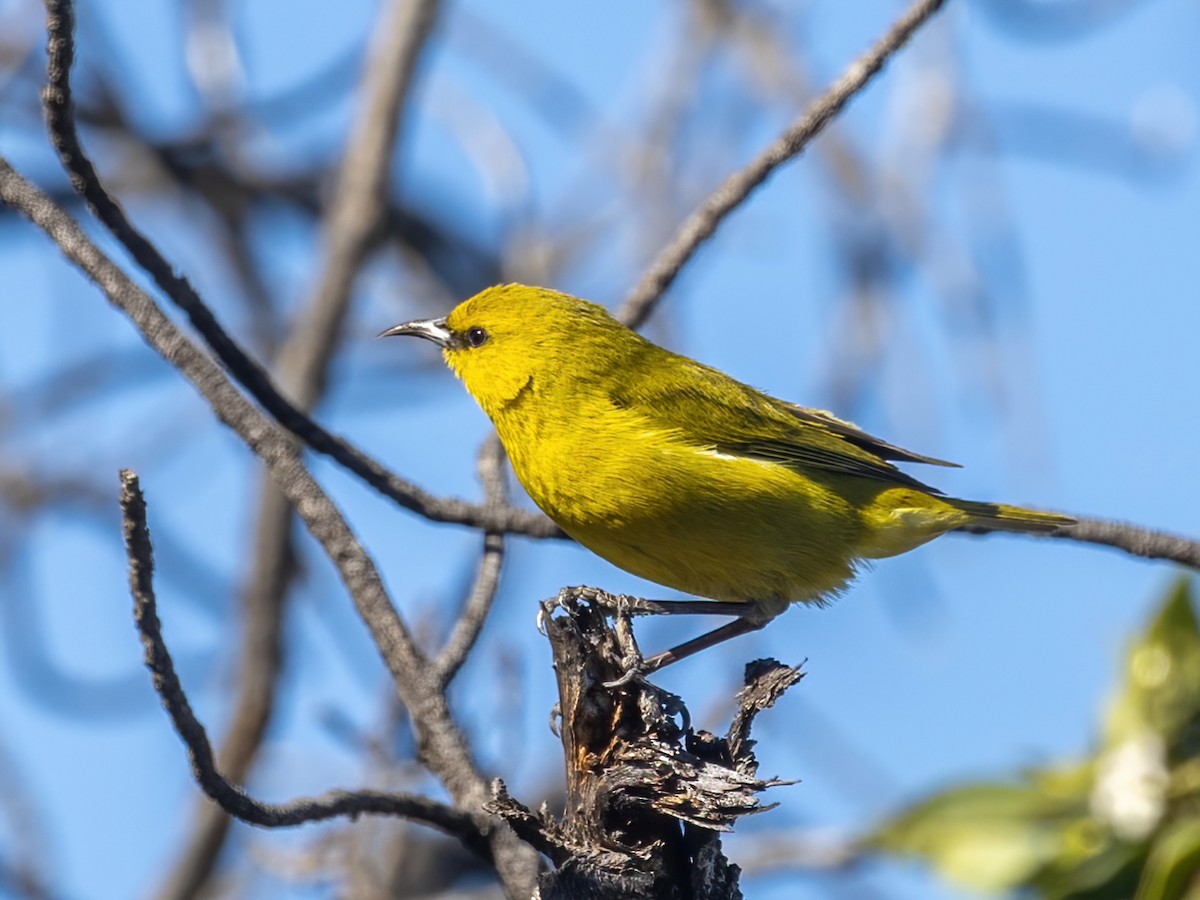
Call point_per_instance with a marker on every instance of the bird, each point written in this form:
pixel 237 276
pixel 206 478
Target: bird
pixel 682 475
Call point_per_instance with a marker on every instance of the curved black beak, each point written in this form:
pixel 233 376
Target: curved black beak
pixel 431 329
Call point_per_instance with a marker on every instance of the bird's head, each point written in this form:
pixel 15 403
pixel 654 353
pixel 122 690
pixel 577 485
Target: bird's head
pixel 508 337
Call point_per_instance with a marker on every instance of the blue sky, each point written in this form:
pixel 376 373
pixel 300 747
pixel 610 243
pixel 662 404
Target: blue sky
pixel 1045 338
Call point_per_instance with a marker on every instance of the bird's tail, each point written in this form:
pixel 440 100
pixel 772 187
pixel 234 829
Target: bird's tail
pixel 1002 517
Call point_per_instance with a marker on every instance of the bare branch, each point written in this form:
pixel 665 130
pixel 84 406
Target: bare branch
pixel 468 828
pixel 738 186
pixel 1134 540
pixel 441 745
pixel 487 577
pixel 58 105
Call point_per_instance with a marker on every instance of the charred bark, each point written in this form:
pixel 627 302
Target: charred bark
pixel 647 796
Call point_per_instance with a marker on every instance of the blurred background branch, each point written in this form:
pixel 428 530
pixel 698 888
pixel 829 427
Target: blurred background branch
pixel 351 225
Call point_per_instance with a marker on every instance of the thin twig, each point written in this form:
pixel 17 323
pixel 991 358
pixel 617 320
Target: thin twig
pixel 441 745
pixel 58 104
pixel 469 624
pixel 738 186
pixel 236 802
pixel 1135 540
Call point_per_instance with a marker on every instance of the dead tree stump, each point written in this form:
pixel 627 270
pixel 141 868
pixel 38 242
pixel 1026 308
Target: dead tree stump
pixel 647 797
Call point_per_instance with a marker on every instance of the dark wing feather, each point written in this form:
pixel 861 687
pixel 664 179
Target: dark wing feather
pixel 860 438
pixel 711 409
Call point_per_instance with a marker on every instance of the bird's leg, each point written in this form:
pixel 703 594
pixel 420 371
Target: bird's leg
pixel 751 617
pixel 695 645
pixel 637 606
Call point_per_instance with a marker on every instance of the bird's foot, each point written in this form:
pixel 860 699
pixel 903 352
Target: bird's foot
pixel 566 600
pixel 635 673
pixel 570 598
pixel 632 663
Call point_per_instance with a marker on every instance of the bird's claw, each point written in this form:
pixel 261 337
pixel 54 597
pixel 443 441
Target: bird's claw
pixel 565 599
pixel 674 706
pixel 634 672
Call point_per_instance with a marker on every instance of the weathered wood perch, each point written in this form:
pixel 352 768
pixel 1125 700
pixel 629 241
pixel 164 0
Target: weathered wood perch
pixel 647 797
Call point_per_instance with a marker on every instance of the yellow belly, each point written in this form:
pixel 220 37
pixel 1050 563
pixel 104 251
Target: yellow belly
pixel 724 527
pixel 731 545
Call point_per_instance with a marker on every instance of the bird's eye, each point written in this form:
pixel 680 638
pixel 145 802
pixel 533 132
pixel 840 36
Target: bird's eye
pixel 476 336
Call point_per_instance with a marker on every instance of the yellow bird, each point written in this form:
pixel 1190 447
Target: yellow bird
pixel 682 475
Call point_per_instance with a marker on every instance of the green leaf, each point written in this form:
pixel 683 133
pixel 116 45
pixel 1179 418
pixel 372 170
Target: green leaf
pixel 1173 869
pixel 1161 692
pixel 983 836
pixel 1108 875
pixel 1066 782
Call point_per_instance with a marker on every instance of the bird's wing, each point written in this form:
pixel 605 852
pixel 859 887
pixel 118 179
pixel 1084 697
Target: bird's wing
pixel 852 433
pixel 712 410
